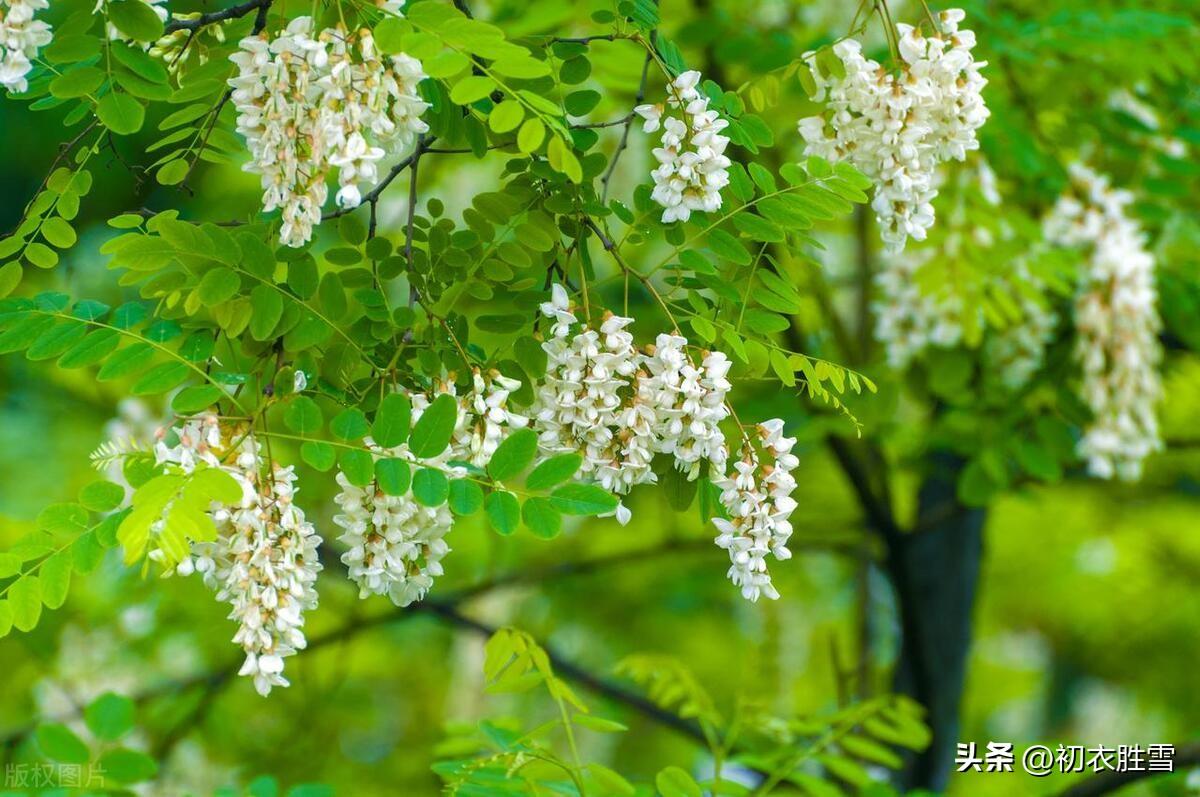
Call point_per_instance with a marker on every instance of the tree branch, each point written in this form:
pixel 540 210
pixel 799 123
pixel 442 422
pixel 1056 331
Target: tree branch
pixel 233 12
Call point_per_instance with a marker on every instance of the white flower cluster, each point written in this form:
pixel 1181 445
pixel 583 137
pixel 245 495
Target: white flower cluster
pixel 21 36
pixel 618 407
pixel 312 103
pixel 484 415
pixel 757 498
pixel 693 167
pixel 909 319
pixel 396 544
pixel 1117 323
pixel 264 562
pixel 897 128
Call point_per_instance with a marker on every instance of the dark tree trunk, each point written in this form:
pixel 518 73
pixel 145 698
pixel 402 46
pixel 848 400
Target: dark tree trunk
pixel 935 572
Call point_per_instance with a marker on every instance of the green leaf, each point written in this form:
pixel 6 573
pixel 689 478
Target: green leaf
pixel 303 416
pixel 466 497
pixel 102 496
pixel 541 517
pixel 64 519
pixel 393 475
pixel 109 716
pixel 431 434
pixel 531 134
pixel 349 425
pixel 674 782
pixel 358 466
pixel 59 233
pixel 430 487
pixel 611 782
pixel 6 618
pixel 77 83
pixel 318 455
pixel 25 598
pixel 598 724
pixel 513 455
pixel 128 766
pixel 135 19
pixel 503 511
pixel 555 470
pixel 472 89
pixel 56 579
pixel 58 743
pixel 196 398
pixel 121 113
pixel 218 285
pixel 391 420
pixel 266 306
pixel 160 378
pixel 583 499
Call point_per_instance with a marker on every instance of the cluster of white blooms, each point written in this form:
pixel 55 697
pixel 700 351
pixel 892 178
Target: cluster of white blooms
pixel 757 498
pixel 21 36
pixel 1116 321
pixel 617 407
pixel 689 402
pixel 693 167
pixel 908 318
pixel 309 103
pixel 264 562
pixel 897 128
pixel 395 544
pixel 484 415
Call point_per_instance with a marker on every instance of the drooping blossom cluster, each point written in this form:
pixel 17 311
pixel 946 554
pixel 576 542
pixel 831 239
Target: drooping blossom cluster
pixel 897 127
pixel 485 415
pixel 693 167
pixel 617 407
pixel 264 561
pixel 1116 322
pixel 311 103
pixel 908 318
pixel 21 36
pixel 395 544
pixel 757 498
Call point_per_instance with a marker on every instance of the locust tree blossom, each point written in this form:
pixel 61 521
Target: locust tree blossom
pixel 21 36
pixel 311 103
pixel 395 544
pixel 264 561
pixel 485 415
pixel 898 127
pixel 693 167
pixel 757 498
pixel 1116 323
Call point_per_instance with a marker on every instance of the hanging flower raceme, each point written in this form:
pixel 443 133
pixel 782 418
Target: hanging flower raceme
pixel 692 167
pixel 757 499
pixel 1116 322
pixel 264 561
pixel 897 127
pixel 395 543
pixel 311 103
pixel 485 416
pixel 908 319
pixel 21 36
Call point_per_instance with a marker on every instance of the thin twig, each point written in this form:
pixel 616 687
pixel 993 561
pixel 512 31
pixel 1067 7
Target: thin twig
pixel 233 12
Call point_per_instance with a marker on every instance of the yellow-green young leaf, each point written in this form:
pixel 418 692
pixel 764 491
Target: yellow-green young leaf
pixel 530 136
pixel 59 233
pixel 562 159
pixel 871 751
pixel 121 113
pixel 472 89
pixel 10 278
pixel 172 172
pixel 6 618
pixel 25 598
pixel 674 782
pixel 610 782
pixel 109 716
pixel 102 496
pixel 506 116
pixel 128 766
pixel 41 255
pixel 598 724
pixel 446 64
pixel 213 484
pixel 55 576
pixel 522 66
